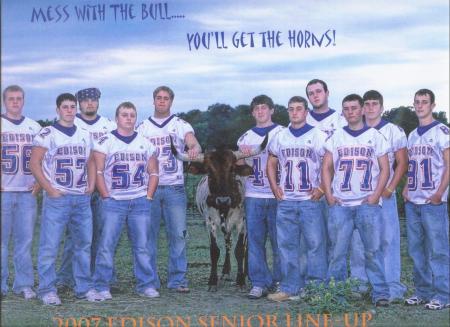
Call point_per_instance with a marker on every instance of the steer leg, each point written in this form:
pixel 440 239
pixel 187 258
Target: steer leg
pixel 214 253
pixel 227 263
pixel 240 254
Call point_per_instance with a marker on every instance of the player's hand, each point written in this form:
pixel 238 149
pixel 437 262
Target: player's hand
pixel 245 149
pixel 435 199
pixel 192 153
pixel 316 194
pixel 104 196
pixel 36 188
pixel 278 192
pixel 405 194
pixel 90 189
pixel 372 199
pixel 55 193
pixel 386 194
pixel 332 200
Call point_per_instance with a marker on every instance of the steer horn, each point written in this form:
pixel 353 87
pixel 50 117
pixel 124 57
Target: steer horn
pixel 184 156
pixel 240 155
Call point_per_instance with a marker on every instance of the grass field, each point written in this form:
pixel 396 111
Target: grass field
pixel 227 307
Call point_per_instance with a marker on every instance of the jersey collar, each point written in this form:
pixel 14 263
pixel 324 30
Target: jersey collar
pixel 423 129
pixel 14 121
pixel 125 139
pixel 300 131
pixel 69 131
pixel 164 123
pixel 321 116
pixel 381 124
pixel 89 122
pixel 262 131
pixel 358 132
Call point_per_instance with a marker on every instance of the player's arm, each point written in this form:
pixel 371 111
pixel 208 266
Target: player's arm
pixel 194 147
pixel 272 163
pixel 436 198
pixel 37 155
pixel 401 159
pixel 153 172
pixel 383 163
pixel 100 178
pixel 327 177
pixel 91 172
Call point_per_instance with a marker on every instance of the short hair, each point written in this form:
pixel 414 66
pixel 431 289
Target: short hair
pixel 425 92
pixel 315 81
pixel 126 104
pixel 163 88
pixel 373 95
pixel 300 99
pixel 65 96
pixel 261 99
pixel 353 97
pixel 13 88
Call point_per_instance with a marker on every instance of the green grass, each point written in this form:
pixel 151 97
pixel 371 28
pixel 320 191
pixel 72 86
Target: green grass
pixel 227 307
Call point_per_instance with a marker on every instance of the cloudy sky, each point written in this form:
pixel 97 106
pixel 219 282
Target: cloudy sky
pixel 395 47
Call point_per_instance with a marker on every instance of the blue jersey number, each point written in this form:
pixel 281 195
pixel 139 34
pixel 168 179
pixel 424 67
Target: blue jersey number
pixel 258 174
pixel 426 174
pixel 170 165
pixel 303 169
pixel 64 172
pixel 15 156
pixel 121 176
pixel 347 166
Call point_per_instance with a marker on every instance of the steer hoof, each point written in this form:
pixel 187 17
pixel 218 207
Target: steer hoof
pixel 212 288
pixel 242 288
pixel 226 277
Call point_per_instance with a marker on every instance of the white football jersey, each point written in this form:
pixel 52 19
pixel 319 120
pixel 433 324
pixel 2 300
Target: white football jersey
pixel 17 141
pixel 355 159
pixel 257 185
pixel 299 153
pixel 396 139
pixel 426 145
pixel 65 162
pixel 327 122
pixel 97 128
pixel 170 168
pixel 125 172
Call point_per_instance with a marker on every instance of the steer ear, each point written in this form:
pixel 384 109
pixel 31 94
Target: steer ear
pixel 243 170
pixel 196 168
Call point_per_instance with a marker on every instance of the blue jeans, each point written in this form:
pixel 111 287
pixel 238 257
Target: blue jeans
pixel 74 212
pixel 18 219
pixel 261 217
pixel 303 248
pixel 169 203
pixel 295 218
pixel 65 274
pixel 390 248
pixel 341 223
pixel 136 214
pixel 428 246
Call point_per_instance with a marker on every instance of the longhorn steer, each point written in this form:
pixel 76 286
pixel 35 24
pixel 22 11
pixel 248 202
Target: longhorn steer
pixel 220 200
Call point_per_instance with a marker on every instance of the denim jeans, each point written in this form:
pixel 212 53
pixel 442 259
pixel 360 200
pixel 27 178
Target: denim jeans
pixel 303 248
pixel 261 217
pixel 64 275
pixel 428 246
pixel 74 212
pixel 341 223
pixel 295 218
pixel 136 214
pixel 18 218
pixel 169 203
pixel 390 248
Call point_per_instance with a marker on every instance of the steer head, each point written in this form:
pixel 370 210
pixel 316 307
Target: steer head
pixel 221 166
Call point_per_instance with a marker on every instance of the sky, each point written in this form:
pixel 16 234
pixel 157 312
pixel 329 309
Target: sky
pixel 130 48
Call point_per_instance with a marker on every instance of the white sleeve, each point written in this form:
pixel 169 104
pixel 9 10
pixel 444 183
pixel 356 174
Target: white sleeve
pixel 399 140
pixel 273 146
pixel 443 139
pixel 102 145
pixel 43 138
pixel 382 146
